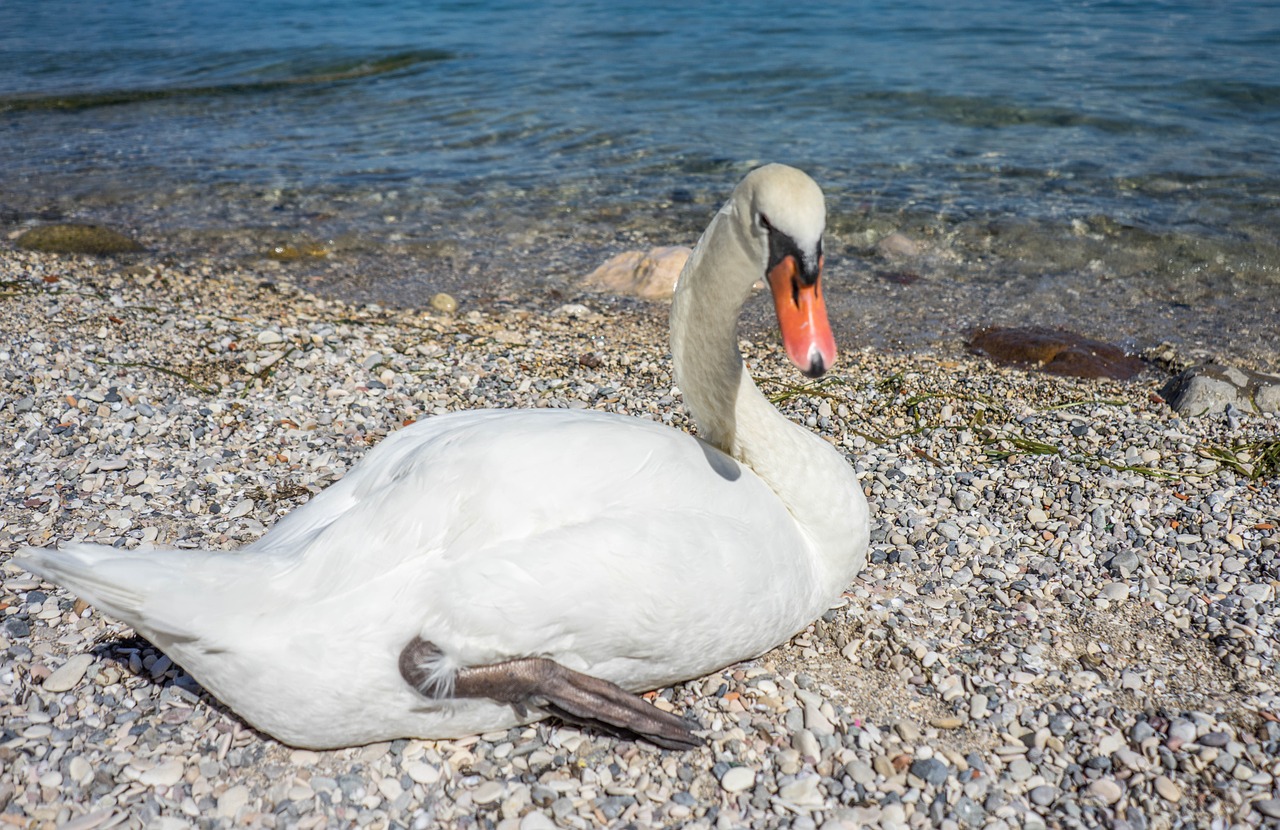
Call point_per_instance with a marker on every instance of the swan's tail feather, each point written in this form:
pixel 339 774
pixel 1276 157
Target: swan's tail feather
pixel 136 587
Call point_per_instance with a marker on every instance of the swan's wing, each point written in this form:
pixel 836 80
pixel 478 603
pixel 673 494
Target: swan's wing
pixel 573 534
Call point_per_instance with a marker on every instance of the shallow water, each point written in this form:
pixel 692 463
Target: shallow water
pixel 1112 165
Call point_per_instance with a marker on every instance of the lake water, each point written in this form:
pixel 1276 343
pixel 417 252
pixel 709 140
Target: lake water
pixel 1111 165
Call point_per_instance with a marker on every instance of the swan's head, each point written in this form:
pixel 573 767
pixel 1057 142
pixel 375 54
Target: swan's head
pixel 787 215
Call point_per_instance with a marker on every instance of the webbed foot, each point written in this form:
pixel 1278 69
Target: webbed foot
pixel 537 681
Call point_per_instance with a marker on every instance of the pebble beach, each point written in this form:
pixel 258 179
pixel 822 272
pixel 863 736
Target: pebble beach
pixel 1068 620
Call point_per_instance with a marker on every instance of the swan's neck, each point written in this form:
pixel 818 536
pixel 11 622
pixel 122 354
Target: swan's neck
pixel 731 413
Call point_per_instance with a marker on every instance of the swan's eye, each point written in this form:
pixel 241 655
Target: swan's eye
pixel 765 223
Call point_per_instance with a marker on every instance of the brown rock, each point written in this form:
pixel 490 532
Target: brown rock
pixel 77 239
pixel 650 275
pixel 1055 351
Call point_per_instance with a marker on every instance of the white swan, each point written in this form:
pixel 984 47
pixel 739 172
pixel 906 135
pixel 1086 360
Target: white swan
pixel 483 569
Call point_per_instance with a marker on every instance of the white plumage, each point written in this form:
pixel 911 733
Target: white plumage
pixel 614 546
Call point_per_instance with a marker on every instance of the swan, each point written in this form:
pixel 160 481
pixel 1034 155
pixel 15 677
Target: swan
pixel 483 569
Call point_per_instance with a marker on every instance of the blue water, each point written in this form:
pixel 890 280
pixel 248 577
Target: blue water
pixel 547 118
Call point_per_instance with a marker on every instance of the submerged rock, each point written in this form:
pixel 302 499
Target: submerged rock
pixel 650 275
pixel 898 245
pixel 1211 388
pixel 1055 351
pixel 298 252
pixel 444 303
pixel 93 240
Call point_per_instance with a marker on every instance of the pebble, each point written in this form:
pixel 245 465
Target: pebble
pixel 1124 563
pixel 536 821
pixel 488 792
pixel 444 303
pixel 70 673
pixel 164 775
pixel 803 791
pixel 737 779
pixel 231 800
pixel 1269 807
pixel 1043 796
pixel 1168 790
pixel 80 770
pixel 933 771
pixel 1106 790
pixel 983 671
pixel 1116 591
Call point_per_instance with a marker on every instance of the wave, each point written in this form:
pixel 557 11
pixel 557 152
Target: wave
pixel 325 74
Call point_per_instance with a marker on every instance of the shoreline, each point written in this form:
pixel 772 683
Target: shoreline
pixel 1042 635
pixel 900 279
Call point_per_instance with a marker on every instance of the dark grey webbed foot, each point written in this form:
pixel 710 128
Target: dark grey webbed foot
pixel 537 681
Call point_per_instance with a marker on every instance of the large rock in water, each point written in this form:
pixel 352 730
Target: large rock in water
pixel 93 240
pixel 650 275
pixel 1055 351
pixel 1211 388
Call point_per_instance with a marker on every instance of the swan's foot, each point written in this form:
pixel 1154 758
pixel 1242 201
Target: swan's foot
pixel 569 695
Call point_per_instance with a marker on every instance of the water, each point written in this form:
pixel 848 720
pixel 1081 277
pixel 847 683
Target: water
pixel 1052 157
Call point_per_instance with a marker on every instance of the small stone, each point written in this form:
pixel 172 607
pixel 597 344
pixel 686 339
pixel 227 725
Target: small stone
pixel 1168 790
pixel 1141 731
pixel 230 802
pixel 860 771
pixel 1116 591
pixel 1214 739
pixel 947 722
pixel 801 792
pixel 907 731
pixel 444 303
pixel 883 766
pixel 970 812
pixel 931 770
pixel 1110 742
pixel 423 773
pixel 488 792
pixel 1124 563
pixel 897 245
pixel 1044 795
pixel 806 743
pixel 66 676
pixel 977 706
pixel 817 723
pixel 81 771
pixel 164 775
pixel 267 337
pixel 1269 808
pixel 1020 769
pixel 536 821
pixel 737 779
pixel 1106 790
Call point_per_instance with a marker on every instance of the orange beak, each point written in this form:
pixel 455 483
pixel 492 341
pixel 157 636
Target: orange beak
pixel 802 317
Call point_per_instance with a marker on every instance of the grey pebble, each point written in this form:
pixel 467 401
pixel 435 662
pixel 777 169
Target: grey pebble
pixel 931 770
pixel 1043 796
pixel 1268 807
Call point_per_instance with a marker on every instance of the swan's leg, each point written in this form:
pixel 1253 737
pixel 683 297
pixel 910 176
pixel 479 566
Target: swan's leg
pixel 567 694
